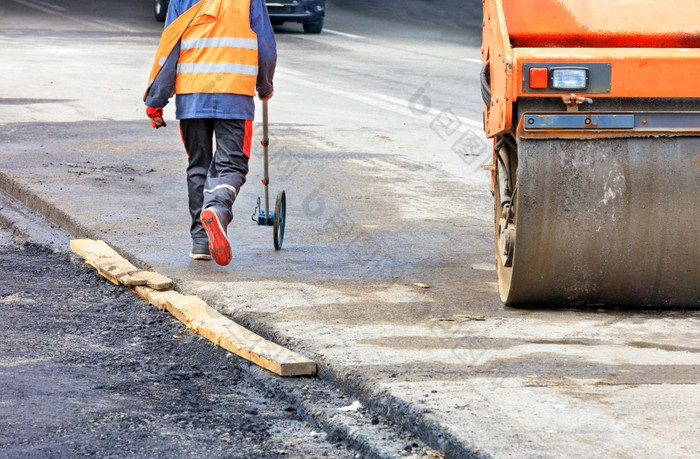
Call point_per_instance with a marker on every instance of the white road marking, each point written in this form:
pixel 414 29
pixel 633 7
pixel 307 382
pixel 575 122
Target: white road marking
pixel 473 61
pixel 433 111
pixel 35 6
pixel 119 27
pixel 291 72
pixel 339 92
pixel 343 34
pixel 51 5
pixel 380 101
pixel 69 17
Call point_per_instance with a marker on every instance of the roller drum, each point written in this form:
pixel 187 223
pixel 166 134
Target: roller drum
pixel 606 222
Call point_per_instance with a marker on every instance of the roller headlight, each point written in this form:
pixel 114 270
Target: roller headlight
pixel 569 78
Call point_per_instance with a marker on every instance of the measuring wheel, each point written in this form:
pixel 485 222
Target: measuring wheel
pixel 279 217
pixel 276 218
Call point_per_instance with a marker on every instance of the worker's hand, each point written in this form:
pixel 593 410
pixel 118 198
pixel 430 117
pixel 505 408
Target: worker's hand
pixel 156 116
pixel 267 97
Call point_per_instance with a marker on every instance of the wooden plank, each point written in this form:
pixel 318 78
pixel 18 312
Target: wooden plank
pixel 155 280
pixel 133 279
pixel 144 292
pixel 120 271
pixel 192 311
pixel 186 308
pixel 89 248
pixel 157 298
pixel 220 330
pixel 112 279
pixel 116 268
pixel 261 352
pixel 105 259
pixel 200 318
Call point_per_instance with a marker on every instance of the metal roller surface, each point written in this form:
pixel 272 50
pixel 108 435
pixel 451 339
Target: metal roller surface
pixel 605 221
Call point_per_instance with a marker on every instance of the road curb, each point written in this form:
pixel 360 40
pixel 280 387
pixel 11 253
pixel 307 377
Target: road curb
pixel 408 418
pixel 380 402
pixel 36 204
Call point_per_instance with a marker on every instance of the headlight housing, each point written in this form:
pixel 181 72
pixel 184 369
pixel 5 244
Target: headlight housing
pixel 569 78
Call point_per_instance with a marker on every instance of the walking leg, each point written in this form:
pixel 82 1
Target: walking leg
pixel 197 136
pixel 229 167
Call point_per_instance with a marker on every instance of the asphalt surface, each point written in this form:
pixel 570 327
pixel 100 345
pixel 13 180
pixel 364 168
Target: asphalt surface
pixel 455 18
pixel 377 139
pixel 90 369
pixel 87 369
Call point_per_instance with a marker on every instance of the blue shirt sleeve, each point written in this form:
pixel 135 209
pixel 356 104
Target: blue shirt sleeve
pixel 163 86
pixel 174 12
pixel 267 46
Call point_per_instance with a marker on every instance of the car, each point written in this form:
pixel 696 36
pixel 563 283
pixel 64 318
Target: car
pixel 161 9
pixel 310 13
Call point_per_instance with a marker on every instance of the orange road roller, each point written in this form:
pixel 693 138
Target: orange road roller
pixel 594 110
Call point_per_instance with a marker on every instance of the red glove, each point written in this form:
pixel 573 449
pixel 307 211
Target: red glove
pixel 267 97
pixel 156 116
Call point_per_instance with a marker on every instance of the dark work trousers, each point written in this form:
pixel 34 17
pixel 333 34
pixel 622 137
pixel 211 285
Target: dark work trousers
pixel 214 177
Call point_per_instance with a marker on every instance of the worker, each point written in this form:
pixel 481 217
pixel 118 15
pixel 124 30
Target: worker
pixel 214 55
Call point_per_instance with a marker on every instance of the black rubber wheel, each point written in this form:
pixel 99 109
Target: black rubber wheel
pixel 160 8
pixel 314 27
pixel 280 217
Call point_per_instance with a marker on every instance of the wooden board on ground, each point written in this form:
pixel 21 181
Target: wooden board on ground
pixel 155 280
pixel 222 331
pixel 192 311
pixel 115 267
pixel 157 298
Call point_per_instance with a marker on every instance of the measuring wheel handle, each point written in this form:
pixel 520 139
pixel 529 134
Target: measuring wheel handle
pixel 279 218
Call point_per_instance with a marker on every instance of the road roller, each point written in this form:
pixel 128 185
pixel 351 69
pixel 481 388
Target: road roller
pixel 594 111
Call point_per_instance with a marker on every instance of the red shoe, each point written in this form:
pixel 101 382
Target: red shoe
pixel 219 246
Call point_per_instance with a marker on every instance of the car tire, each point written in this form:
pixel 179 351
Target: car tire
pixel 314 27
pixel 161 10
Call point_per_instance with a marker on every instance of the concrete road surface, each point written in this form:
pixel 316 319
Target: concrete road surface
pixel 376 138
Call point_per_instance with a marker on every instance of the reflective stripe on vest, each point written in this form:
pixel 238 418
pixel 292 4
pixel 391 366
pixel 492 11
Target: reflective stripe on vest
pixel 218 68
pixel 219 51
pixel 219 42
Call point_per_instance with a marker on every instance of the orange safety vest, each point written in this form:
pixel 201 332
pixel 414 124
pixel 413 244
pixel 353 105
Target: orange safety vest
pixel 218 49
